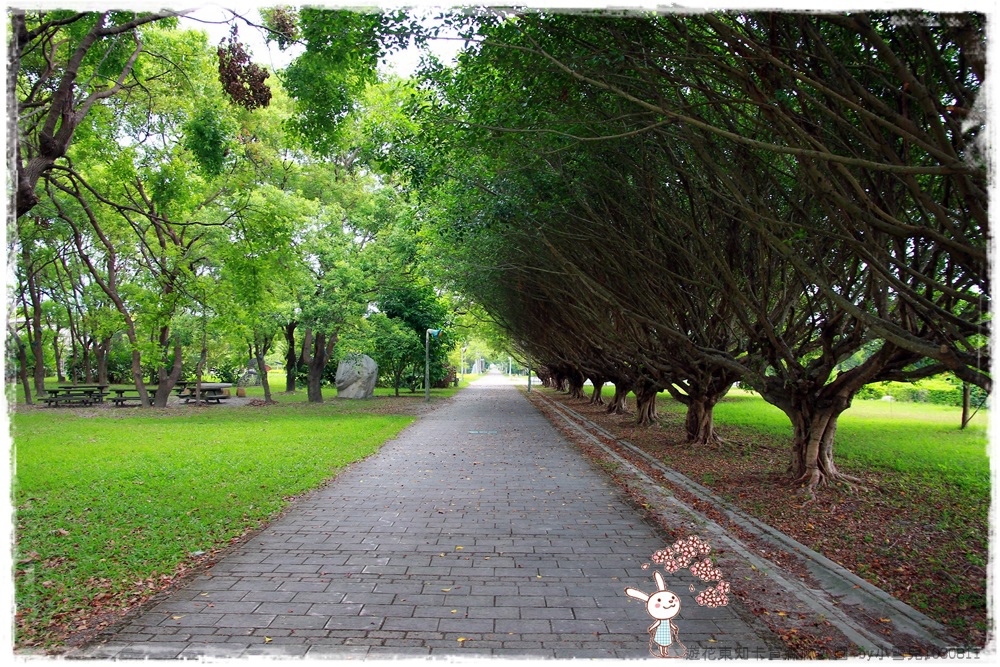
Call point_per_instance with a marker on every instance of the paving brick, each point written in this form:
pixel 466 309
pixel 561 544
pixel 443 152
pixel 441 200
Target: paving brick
pixel 357 623
pixel 324 652
pixel 354 569
pixel 579 627
pixel 547 612
pixel 387 610
pixel 439 612
pixel 297 622
pixel 494 612
pixel 524 626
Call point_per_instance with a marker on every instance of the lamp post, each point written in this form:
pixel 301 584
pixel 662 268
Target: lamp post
pixel 463 361
pixel 427 362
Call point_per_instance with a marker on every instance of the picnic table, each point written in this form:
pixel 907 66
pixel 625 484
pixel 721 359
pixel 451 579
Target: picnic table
pixel 123 397
pixel 75 395
pixel 210 391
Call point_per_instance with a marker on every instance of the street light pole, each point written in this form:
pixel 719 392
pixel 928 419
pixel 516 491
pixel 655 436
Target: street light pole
pixel 427 362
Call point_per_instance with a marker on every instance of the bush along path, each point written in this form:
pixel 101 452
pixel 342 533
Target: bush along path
pixel 817 606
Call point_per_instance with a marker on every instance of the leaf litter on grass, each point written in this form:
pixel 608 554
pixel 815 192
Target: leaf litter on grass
pixel 915 535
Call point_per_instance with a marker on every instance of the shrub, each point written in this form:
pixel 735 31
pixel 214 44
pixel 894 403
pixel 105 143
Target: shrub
pixel 936 390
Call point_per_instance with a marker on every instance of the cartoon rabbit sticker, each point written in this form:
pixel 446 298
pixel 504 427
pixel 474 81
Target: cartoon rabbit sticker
pixel 662 605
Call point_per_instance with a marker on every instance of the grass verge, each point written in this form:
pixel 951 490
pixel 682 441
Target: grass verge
pixel 112 504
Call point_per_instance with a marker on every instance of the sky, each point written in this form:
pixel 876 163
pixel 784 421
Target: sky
pixel 213 20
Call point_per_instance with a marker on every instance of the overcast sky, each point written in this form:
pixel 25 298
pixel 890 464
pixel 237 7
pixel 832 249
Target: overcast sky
pixel 213 20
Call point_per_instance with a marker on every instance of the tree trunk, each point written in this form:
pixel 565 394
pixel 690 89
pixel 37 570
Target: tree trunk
pixel 812 463
pixel 261 345
pixel 140 386
pixel 165 380
pixel 558 379
pixel 101 357
pixel 700 392
pixel 57 353
pixel 619 403
pixel 314 383
pixel 199 368
pixel 397 375
pixel 22 368
pixel 814 427
pixel 322 348
pixel 291 358
pixel 575 380
pixel 645 403
pixel 966 403
pixel 35 332
pixel 88 372
pixel 699 422
pixel 595 398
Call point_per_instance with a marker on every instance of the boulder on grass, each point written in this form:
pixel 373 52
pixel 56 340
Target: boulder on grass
pixel 356 377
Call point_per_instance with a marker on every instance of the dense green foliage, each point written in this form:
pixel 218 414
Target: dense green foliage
pixel 208 224
pixel 680 202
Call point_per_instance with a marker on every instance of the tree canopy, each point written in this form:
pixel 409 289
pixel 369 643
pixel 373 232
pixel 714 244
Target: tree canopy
pixel 660 201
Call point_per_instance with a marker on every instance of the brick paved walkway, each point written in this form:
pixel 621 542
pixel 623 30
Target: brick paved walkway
pixel 478 531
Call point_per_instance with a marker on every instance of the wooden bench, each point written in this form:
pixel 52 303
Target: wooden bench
pixel 69 399
pixel 218 398
pixel 208 393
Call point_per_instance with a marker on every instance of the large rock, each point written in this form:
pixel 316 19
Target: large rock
pixel 356 377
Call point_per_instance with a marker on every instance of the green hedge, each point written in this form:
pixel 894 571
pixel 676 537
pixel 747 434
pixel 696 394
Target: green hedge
pixel 935 391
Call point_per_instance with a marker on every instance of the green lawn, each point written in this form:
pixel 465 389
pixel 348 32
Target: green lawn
pixel 110 501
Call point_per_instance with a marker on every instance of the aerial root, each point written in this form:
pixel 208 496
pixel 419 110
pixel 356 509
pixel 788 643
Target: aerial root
pixel 814 478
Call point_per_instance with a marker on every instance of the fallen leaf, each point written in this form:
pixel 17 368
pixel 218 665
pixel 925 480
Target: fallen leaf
pixel 460 639
pixel 445 590
pixel 267 639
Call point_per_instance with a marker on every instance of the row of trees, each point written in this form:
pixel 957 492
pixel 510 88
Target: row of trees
pixel 677 202
pixel 659 202
pixel 172 204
